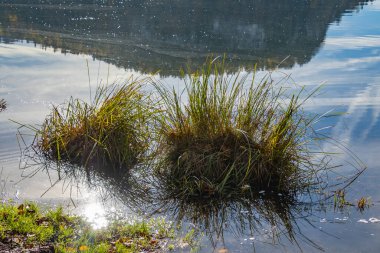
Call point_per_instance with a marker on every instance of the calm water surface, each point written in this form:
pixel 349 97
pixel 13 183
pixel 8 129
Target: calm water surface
pixel 45 47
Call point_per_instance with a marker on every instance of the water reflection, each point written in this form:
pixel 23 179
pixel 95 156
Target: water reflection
pixel 254 220
pixel 247 222
pixel 165 35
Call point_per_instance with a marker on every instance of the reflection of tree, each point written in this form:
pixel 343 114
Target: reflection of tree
pixel 153 35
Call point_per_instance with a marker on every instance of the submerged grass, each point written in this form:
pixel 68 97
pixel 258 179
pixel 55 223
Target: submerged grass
pixel 224 134
pixel 25 228
pixel 112 130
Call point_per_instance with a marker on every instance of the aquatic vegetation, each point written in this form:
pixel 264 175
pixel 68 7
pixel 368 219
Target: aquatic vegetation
pixel 26 227
pixel 3 105
pixel 224 134
pixel 340 199
pixel 363 203
pixel 112 130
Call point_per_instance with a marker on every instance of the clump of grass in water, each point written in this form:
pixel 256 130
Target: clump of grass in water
pixel 112 130
pixel 229 138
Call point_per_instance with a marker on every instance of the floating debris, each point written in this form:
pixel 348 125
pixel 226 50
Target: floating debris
pixel 374 220
pixel 341 219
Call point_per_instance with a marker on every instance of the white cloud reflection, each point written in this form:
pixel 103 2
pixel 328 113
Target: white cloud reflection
pixel 344 43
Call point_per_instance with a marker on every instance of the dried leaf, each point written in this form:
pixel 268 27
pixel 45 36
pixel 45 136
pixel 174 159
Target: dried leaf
pixel 83 248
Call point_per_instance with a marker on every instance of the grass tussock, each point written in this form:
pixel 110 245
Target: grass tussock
pixel 226 134
pixel 112 130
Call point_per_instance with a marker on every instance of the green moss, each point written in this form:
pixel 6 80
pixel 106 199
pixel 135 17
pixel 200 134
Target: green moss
pixel 26 227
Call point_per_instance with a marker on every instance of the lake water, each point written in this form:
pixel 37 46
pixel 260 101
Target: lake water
pixel 51 50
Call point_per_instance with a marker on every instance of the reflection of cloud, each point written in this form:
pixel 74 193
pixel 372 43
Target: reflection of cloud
pixel 375 6
pixel 334 69
pixel 352 42
pixel 370 97
pixel 358 101
pixel 346 63
pixel 357 130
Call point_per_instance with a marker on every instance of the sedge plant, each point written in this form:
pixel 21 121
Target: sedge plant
pixel 111 131
pixel 226 134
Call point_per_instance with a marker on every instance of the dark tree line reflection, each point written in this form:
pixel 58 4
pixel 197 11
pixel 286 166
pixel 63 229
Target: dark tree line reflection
pixel 168 34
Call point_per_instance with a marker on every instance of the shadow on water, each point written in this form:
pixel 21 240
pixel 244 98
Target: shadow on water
pixel 167 35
